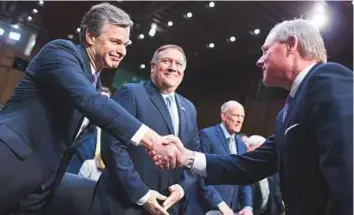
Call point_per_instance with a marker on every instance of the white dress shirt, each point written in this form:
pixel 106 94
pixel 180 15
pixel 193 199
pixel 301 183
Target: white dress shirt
pixel 90 170
pixel 230 139
pixel 199 165
pixel 174 110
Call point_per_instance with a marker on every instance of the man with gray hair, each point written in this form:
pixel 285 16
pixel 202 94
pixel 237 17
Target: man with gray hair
pixel 54 102
pixel 312 147
pixel 222 139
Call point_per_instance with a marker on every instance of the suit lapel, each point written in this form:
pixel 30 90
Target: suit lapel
pixel 238 147
pixel 87 65
pixel 295 101
pixel 160 104
pixel 76 124
pixel 222 137
pixel 182 117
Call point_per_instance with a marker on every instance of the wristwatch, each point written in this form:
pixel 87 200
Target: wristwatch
pixel 190 160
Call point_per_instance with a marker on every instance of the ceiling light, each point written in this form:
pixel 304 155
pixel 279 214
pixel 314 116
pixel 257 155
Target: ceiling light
pixel 189 15
pixel 130 42
pixel 15 36
pixel 34 11
pixel 152 30
pixel 170 23
pixel 256 31
pixel 41 3
pixel 78 30
pixel 211 45
pixel 15 26
pixel 2 31
pixel 142 66
pixel 211 4
pixel 71 36
pixel 29 18
pixel 232 39
pixel 318 20
pixel 141 36
pixel 320 8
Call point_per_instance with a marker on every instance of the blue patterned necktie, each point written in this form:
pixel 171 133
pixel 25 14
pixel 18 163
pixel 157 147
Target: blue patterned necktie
pixel 95 78
pixel 169 101
pixel 286 106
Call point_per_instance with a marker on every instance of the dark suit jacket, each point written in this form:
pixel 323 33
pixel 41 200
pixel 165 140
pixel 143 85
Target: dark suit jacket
pixel 41 119
pixel 312 150
pixel 213 141
pixel 129 172
pixel 274 205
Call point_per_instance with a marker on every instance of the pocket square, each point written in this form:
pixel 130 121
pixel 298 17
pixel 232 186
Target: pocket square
pixel 291 127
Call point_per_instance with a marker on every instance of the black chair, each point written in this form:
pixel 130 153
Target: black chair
pixel 73 196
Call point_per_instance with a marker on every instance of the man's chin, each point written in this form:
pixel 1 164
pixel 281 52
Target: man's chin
pixel 113 65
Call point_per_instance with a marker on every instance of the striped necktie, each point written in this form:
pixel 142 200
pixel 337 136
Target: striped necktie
pixel 286 106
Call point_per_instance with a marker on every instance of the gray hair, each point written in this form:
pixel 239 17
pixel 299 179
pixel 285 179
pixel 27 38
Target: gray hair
pixel 225 107
pixel 168 46
pixel 255 140
pixel 310 40
pixel 99 15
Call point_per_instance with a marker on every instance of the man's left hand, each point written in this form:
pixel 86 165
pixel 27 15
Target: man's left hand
pixel 245 211
pixel 176 194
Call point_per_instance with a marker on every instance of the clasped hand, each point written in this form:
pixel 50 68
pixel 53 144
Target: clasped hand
pixel 168 153
pixel 154 208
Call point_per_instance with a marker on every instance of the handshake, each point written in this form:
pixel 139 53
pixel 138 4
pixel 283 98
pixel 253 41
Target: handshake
pixel 168 151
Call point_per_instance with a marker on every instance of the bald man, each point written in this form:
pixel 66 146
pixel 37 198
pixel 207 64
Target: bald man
pixel 221 139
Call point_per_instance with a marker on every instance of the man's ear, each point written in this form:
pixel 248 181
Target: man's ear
pixel 222 116
pixel 90 38
pixel 292 43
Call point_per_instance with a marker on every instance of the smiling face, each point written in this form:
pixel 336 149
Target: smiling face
pixel 167 70
pixel 109 48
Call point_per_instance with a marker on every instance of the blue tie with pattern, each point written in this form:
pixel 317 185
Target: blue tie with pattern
pixel 286 106
pixel 95 78
pixel 169 100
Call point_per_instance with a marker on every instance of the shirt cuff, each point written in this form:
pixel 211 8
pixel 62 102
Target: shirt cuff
pixel 221 203
pixel 139 134
pixel 180 190
pixel 199 164
pixel 144 199
pixel 249 207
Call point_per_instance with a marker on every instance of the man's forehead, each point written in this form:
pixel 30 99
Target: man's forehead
pixel 171 53
pixel 238 109
pixel 269 40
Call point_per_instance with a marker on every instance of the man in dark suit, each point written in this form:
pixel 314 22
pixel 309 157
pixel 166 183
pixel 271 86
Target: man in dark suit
pixel 41 120
pixel 131 183
pixel 266 195
pixel 221 139
pixel 312 148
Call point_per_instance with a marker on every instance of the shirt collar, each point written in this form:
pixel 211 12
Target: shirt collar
pixel 93 71
pixel 170 94
pixel 299 78
pixel 226 132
